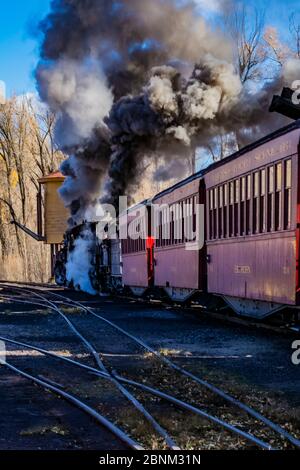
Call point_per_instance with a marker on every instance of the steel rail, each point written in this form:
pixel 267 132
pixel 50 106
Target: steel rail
pixel 153 391
pixel 251 411
pixel 79 404
pixel 158 428
pixel 226 396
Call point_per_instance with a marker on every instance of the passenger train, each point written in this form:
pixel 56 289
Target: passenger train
pixel 250 255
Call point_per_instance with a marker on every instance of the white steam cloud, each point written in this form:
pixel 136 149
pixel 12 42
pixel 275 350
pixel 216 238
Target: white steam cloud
pixel 79 94
pixel 80 262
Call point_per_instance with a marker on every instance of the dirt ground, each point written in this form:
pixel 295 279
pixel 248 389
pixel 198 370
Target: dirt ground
pixel 254 365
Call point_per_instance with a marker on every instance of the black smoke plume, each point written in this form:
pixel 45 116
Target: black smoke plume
pixel 133 80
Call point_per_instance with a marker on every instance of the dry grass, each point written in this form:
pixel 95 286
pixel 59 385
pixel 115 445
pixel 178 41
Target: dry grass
pixel 193 432
pixel 44 430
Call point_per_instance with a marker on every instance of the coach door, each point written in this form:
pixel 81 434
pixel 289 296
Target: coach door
pixel 150 242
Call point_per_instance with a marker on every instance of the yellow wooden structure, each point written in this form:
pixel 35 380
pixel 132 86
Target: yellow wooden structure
pixel 53 223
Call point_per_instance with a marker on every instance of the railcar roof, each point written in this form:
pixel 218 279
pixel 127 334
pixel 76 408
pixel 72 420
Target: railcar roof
pixel 200 174
pixel 135 206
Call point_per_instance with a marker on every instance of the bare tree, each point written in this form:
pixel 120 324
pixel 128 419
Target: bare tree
pixel 295 34
pixel 277 51
pixel 45 153
pixel 246 28
pixel 27 152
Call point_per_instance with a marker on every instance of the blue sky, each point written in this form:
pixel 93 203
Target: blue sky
pixel 19 50
pixel 278 12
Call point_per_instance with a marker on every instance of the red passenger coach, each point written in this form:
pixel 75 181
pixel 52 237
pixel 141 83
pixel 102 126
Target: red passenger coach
pixel 137 248
pixel 253 222
pixel 251 253
pixel 180 272
pixel 246 211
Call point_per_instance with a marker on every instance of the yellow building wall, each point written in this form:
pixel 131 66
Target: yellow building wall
pixel 56 215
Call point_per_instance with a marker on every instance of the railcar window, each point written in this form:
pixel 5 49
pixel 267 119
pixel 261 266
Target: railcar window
pixel 163 229
pixel 211 199
pixel 237 190
pixel 138 245
pixel 256 184
pixel 260 202
pixel 271 198
pixel 135 241
pixel 255 202
pixel 172 226
pixel 160 230
pixel 188 222
pixel 278 196
pixel 278 176
pixel 178 228
pixel 220 213
pixel 177 223
pixel 139 240
pixel 288 174
pixel 143 239
pixel 231 206
pixel 248 205
pixel 262 208
pixel 192 214
pixel 236 207
pixel 242 206
pixel 191 218
pixel 225 210
pixel 185 219
pixel 215 235
pixel 195 214
pixel 168 227
pixel 210 214
pixel 288 195
pixel 183 215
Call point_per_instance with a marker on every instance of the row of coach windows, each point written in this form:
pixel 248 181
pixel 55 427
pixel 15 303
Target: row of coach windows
pixel 175 225
pixel 256 203
pixel 136 241
pixel 133 246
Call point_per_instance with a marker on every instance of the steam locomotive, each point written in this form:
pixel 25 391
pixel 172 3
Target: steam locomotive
pixel 250 255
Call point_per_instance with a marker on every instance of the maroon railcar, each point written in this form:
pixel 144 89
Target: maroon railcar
pixel 253 225
pixel 251 252
pixel 137 248
pixel 180 268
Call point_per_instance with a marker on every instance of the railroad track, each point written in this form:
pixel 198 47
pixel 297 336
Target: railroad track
pixel 290 328
pixel 35 295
